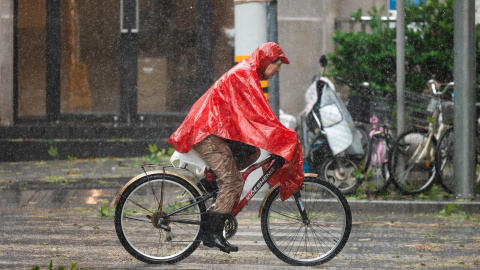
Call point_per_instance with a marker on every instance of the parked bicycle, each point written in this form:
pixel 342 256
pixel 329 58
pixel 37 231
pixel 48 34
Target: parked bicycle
pixel 160 215
pixel 411 161
pixel 332 145
pixel 445 151
pixel 376 177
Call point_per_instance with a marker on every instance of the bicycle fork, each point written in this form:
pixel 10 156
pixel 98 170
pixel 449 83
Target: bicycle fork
pixel 301 208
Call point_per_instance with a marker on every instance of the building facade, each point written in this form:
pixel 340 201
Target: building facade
pixel 112 60
pixel 132 68
pixel 127 61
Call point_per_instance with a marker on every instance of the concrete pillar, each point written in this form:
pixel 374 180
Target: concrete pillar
pixel 6 62
pixel 250 29
pixel 464 74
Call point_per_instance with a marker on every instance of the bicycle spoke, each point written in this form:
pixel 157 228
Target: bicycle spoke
pixel 285 232
pixel 173 237
pixel 413 170
pixel 284 215
pixel 313 240
pixel 321 239
pixel 292 240
pixel 325 231
pixel 139 205
pixel 293 210
pixel 137 219
pixel 317 241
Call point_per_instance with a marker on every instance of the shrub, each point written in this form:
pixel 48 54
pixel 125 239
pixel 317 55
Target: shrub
pixel 371 57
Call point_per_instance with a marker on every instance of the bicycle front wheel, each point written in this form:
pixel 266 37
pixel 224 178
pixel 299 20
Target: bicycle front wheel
pixel 377 177
pixel 309 228
pixel 146 226
pixel 411 161
pixel 445 162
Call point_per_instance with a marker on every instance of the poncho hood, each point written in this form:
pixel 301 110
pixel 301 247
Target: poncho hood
pixel 264 55
pixel 235 108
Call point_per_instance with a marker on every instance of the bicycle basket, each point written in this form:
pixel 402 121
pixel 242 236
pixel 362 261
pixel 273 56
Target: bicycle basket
pixel 416 107
pixel 447 112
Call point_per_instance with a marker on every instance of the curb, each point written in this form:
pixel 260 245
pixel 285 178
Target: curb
pixel 411 207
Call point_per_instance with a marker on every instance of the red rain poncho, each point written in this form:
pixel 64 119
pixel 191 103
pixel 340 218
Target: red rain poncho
pixel 235 108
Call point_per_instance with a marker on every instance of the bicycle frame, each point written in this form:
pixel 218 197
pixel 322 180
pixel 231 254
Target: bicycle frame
pixel 435 131
pixel 379 132
pixel 378 158
pixel 275 163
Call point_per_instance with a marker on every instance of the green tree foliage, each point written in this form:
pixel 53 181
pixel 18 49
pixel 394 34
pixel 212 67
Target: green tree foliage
pixel 371 56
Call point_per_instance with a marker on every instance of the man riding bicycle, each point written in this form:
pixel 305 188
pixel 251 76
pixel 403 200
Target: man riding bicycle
pixel 235 109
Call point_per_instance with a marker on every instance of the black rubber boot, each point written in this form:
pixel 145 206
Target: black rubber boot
pixel 213 236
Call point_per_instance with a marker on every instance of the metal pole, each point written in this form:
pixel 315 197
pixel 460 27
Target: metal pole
pixel 204 47
pixel 400 38
pixel 464 74
pixel 272 35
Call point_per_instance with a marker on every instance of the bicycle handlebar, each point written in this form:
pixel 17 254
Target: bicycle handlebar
pixel 433 87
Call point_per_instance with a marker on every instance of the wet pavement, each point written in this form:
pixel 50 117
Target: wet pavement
pixel 62 211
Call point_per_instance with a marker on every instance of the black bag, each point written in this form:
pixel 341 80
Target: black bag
pixel 241 150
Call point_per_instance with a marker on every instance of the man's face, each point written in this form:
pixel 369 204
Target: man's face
pixel 272 69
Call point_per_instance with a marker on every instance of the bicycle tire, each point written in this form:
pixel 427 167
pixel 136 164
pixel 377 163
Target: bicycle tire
pixel 340 172
pixel 366 145
pixel 139 205
pixel 376 175
pixel 323 237
pixel 444 160
pixel 416 176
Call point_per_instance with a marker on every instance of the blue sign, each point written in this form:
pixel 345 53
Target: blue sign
pixel 393 3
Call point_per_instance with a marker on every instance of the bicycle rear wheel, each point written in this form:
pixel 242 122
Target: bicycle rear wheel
pixel 313 238
pixel 411 161
pixel 142 224
pixel 340 171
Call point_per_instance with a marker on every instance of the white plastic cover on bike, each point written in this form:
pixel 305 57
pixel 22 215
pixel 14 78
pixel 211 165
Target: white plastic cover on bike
pixel 192 158
pixel 330 115
pixel 341 134
pixel 311 96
